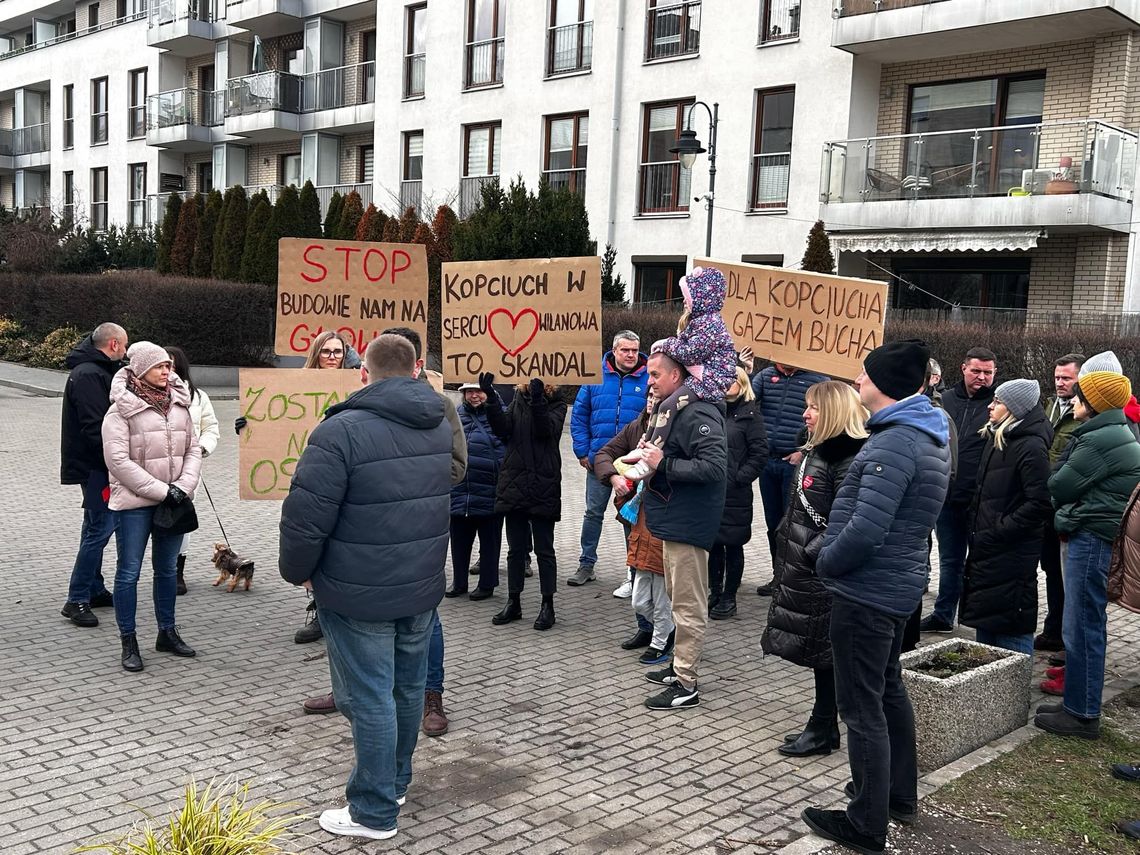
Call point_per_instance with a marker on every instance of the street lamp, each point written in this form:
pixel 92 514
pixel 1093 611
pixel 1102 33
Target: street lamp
pixel 688 147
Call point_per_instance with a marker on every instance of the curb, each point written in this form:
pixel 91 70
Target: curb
pixel 31 388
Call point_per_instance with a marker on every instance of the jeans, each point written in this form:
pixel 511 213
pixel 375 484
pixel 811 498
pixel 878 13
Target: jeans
pixel 378 671
pixel 134 532
pixel 490 532
pixel 726 568
pixel 1016 643
pixel 523 532
pixel 1054 583
pixel 435 658
pixel 775 484
pixel 953 530
pixel 597 500
pixel 99 524
pixel 872 700
pixel 1085 630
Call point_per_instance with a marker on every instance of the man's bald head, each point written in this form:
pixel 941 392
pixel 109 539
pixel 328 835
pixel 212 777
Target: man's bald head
pixel 111 339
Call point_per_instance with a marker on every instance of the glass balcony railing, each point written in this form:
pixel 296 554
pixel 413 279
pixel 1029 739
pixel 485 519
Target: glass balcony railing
pixel 6 141
pixel 346 86
pixel 848 8
pixel 263 92
pixel 161 12
pixel 1084 156
pixel 31 139
pixel 181 107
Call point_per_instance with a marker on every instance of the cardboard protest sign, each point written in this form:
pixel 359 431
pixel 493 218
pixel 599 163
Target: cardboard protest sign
pixel 354 287
pixel 281 407
pixel 810 320
pixel 522 319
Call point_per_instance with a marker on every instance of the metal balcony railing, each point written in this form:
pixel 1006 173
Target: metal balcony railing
pixel 673 30
pixel 780 20
pixel 1080 156
pixel 664 188
pixel 415 70
pixel 573 180
pixel 471 192
pixel 570 48
pixel 181 107
pixel 847 8
pixel 411 195
pixel 346 86
pixel 770 174
pixel 31 139
pixel 78 33
pixel 325 192
pixel 271 190
pixel 5 141
pixel 263 92
pixel 484 63
pixel 168 11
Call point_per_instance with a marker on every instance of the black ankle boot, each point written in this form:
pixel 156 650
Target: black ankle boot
pixel 180 584
pixel 725 607
pixel 819 737
pixel 169 641
pixel 132 661
pixel 512 611
pixel 545 619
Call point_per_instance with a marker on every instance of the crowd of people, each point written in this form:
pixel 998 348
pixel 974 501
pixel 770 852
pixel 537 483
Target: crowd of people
pixel 856 481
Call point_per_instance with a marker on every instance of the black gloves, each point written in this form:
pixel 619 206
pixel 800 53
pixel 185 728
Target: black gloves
pixel 174 496
pixel 536 389
pixel 487 383
pixel 239 424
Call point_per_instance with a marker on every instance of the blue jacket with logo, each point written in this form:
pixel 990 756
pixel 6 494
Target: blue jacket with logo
pixel 600 411
pixel 874 550
pixel 781 400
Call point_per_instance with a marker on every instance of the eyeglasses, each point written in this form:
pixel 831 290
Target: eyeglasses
pixel 331 354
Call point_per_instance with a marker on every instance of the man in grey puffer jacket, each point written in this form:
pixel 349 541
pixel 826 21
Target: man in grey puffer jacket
pixel 873 561
pixel 365 525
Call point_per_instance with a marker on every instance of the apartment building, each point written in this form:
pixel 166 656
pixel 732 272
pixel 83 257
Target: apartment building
pixel 991 154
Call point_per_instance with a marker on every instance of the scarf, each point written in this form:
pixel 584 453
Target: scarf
pixel 151 395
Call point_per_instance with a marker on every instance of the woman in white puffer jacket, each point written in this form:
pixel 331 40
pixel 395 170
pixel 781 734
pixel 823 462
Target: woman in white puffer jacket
pixel 206 429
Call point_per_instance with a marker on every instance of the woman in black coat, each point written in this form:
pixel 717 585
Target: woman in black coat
pixel 1007 520
pixel 799 618
pixel 529 491
pixel 747 454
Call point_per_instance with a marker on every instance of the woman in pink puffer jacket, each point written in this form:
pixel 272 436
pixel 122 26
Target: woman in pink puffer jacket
pixel 153 458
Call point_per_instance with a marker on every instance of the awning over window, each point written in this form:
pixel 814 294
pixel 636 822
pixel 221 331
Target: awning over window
pixel 938 241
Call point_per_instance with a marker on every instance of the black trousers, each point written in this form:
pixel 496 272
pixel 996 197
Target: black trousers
pixel 865 647
pixel 524 532
pixel 1054 581
pixel 464 530
pixel 726 568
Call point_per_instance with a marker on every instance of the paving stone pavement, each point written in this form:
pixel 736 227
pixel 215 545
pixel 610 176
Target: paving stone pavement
pixel 550 747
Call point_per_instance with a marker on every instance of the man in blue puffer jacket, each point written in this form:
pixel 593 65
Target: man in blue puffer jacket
pixel 873 560
pixel 600 411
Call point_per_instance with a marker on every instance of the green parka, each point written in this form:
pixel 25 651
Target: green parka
pixel 1064 423
pixel 1092 487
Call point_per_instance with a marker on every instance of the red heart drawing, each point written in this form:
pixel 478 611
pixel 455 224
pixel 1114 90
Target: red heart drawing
pixel 514 325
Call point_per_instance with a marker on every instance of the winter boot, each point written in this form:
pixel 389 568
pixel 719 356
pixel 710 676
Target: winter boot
pixel 724 608
pixel 819 737
pixel 132 661
pixel 545 619
pixel 512 611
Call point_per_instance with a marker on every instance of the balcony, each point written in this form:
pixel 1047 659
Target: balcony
pixel 6 162
pixel 343 97
pixel 673 30
pixel 1064 176
pixel 274 105
pixel 415 70
pixel 570 49
pixel 471 193
pixel 266 18
pixel 25 148
pixel 573 180
pixel 664 188
pixel 185 119
pixel 185 27
pixel 484 64
pixel 325 192
pixel 411 196
pixel 904 30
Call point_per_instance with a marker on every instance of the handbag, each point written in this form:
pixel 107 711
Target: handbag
pixel 175 519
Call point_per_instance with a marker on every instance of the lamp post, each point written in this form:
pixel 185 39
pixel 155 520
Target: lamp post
pixel 688 147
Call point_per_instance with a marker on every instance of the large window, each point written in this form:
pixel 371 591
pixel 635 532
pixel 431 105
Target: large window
pixel 205 176
pixel 136 116
pixel 772 159
pixel 481 149
pixel 412 170
pixel 673 28
pixel 570 42
pixel 779 20
pixel 486 25
pixel 658 282
pixel 983 281
pixel 664 182
pixel 415 52
pixel 567 140
pixel 69 198
pixel 290 170
pixel 136 195
pixel 99 111
pixel 69 116
pixel 99 199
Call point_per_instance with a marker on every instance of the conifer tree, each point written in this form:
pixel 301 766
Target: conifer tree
pixel 332 215
pixel 310 212
pixel 260 212
pixel 350 216
pixel 166 232
pixel 203 261
pixel 185 237
pixel 817 256
pixel 229 237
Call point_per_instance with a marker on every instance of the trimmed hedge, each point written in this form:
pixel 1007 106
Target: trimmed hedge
pixel 217 323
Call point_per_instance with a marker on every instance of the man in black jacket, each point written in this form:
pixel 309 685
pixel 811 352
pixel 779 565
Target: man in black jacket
pixel 86 398
pixel 365 526
pixel 684 503
pixel 967 403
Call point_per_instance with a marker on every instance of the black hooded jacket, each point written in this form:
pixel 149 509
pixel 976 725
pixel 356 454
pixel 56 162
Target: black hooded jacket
pixel 530 479
pixel 747 454
pixel 86 399
pixel 970 416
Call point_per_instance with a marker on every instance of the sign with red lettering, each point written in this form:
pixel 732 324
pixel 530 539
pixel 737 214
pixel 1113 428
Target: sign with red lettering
pixel 809 320
pixel 523 319
pixel 354 287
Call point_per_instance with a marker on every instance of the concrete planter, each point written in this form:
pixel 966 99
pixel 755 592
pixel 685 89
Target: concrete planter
pixel 960 714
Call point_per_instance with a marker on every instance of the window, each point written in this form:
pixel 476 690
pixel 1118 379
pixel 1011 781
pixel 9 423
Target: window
pixel 415 52
pixel 485 29
pixel 69 116
pixel 136 113
pixel 658 281
pixel 68 199
pixel 664 182
pixel 99 111
pixel 290 172
pixel 136 195
pixel 955 164
pixel 570 42
pixel 99 199
pixel 368 72
pixel 982 281
pixel 480 163
pixel 93 15
pixel 772 159
pixel 567 138
pixel 673 28
pixel 365 161
pixel 205 176
pixel 779 20
pixel 412 171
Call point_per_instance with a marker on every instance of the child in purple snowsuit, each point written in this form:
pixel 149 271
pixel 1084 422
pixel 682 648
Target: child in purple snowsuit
pixel 704 347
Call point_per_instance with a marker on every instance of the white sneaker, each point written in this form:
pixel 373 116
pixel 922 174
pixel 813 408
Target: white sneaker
pixel 624 591
pixel 338 821
pixel 400 801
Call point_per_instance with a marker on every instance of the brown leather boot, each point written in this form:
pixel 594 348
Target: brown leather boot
pixel 435 722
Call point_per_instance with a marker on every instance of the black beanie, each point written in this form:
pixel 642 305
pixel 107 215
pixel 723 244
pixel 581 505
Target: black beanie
pixel 898 369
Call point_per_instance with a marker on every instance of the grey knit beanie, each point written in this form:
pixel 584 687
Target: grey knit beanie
pixel 1106 361
pixel 1019 396
pixel 144 355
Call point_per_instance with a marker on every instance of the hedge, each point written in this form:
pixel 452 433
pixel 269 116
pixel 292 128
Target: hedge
pixel 217 323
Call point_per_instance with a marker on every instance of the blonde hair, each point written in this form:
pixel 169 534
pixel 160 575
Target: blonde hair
pixel 999 430
pixel 745 384
pixel 683 321
pixel 840 411
pixel 312 360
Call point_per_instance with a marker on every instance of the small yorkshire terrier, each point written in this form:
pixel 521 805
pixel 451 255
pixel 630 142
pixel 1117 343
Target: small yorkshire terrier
pixel 230 564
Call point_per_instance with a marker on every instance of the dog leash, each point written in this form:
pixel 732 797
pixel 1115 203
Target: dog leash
pixel 214 508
